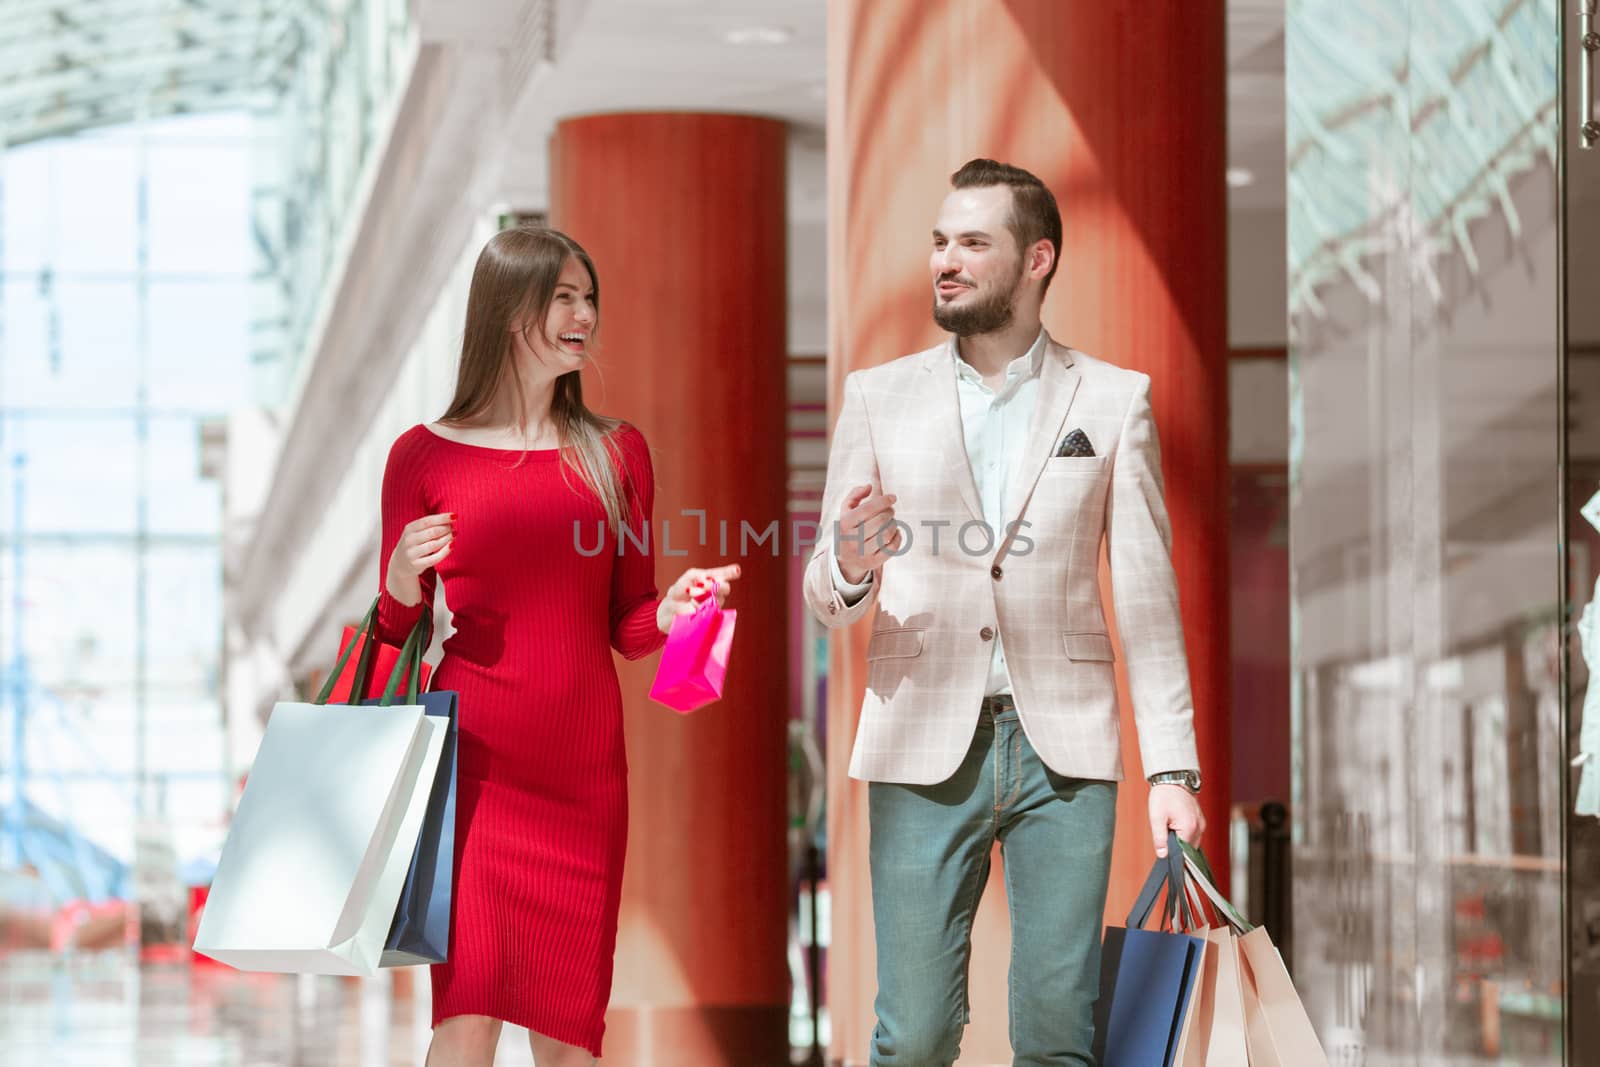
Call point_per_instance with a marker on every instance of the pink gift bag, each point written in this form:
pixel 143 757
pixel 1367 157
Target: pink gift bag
pixel 695 660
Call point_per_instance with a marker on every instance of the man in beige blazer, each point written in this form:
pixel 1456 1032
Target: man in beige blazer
pixel 970 487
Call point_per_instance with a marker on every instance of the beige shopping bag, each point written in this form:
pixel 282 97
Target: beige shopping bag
pixel 1214 1029
pixel 1195 1033
pixel 1280 1032
pixel 1277 1031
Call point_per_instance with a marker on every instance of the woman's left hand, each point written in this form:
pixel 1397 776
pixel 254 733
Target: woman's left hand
pixel 680 598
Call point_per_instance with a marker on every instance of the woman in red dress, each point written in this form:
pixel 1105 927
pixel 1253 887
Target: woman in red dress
pixel 502 499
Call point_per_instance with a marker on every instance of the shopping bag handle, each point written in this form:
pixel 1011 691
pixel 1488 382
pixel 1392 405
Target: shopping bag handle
pixel 1177 888
pixel 409 663
pixel 1146 900
pixel 705 605
pixel 1196 906
pixel 414 682
pixel 1211 916
pixel 1168 872
pixel 358 685
pixel 1200 875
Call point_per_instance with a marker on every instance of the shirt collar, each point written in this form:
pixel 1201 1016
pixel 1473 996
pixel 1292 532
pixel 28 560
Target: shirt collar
pixel 1024 366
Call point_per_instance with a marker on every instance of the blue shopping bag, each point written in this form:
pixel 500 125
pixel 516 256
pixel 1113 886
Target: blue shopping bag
pixel 421 929
pixel 1147 977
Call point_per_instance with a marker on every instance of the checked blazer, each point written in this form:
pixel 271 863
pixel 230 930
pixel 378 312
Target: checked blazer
pixel 937 605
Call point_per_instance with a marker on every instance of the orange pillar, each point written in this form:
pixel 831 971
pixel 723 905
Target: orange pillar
pixel 684 215
pixel 1119 107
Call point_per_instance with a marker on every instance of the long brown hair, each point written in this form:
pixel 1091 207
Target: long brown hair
pixel 515 279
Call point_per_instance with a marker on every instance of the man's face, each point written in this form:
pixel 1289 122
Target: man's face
pixel 976 265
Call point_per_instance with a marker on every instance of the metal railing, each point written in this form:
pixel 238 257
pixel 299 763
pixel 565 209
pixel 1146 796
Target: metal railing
pixel 1262 875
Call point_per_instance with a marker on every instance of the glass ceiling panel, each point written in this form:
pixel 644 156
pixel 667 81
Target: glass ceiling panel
pixel 1471 95
pixel 316 77
pixel 73 65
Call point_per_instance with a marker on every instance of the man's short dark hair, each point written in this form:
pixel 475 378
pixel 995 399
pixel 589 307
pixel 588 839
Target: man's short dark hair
pixel 1034 215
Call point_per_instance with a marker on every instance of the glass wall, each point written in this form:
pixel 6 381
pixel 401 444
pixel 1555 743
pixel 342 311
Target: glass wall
pixel 1582 543
pixel 1424 272
pixel 124 337
pixel 333 77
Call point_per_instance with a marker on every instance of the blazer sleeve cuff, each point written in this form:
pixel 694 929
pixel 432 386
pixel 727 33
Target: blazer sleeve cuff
pixel 849 592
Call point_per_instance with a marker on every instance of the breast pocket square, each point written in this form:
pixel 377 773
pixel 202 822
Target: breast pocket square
pixel 1075 443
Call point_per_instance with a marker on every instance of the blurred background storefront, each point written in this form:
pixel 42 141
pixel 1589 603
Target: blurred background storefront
pixel 1354 242
pixel 1443 354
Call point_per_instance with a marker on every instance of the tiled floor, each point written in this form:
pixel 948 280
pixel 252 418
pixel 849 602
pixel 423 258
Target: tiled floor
pixel 101 1010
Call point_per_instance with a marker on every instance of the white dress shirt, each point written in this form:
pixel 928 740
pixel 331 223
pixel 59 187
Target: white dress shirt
pixel 994 425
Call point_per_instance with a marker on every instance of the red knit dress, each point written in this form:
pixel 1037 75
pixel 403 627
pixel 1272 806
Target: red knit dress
pixel 542 791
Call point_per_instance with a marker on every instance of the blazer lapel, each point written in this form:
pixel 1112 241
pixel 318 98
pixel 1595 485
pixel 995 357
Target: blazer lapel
pixel 1058 384
pixel 944 406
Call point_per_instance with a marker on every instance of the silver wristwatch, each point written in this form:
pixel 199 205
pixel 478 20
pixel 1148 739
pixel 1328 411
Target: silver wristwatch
pixel 1190 780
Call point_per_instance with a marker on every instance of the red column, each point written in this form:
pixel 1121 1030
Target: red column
pixel 1119 107
pixel 684 215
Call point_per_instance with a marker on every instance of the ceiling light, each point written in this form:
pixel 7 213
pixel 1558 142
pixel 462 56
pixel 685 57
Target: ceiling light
pixel 1239 177
pixel 758 35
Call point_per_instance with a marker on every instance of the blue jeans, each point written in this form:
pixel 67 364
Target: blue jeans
pixel 930 848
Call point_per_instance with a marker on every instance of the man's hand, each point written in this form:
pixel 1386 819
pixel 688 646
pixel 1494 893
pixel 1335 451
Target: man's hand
pixel 866 537
pixel 1174 807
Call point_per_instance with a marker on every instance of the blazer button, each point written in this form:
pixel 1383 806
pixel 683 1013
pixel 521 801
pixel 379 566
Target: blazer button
pixel 987 633
pixel 995 572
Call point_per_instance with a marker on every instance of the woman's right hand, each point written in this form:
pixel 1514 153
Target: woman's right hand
pixel 423 543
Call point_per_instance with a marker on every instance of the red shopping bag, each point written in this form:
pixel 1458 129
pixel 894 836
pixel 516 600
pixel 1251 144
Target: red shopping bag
pixel 382 666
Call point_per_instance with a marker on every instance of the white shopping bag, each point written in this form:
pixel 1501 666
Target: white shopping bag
pixel 318 851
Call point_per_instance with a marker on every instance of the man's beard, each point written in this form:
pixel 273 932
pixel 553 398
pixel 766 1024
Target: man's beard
pixel 988 314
